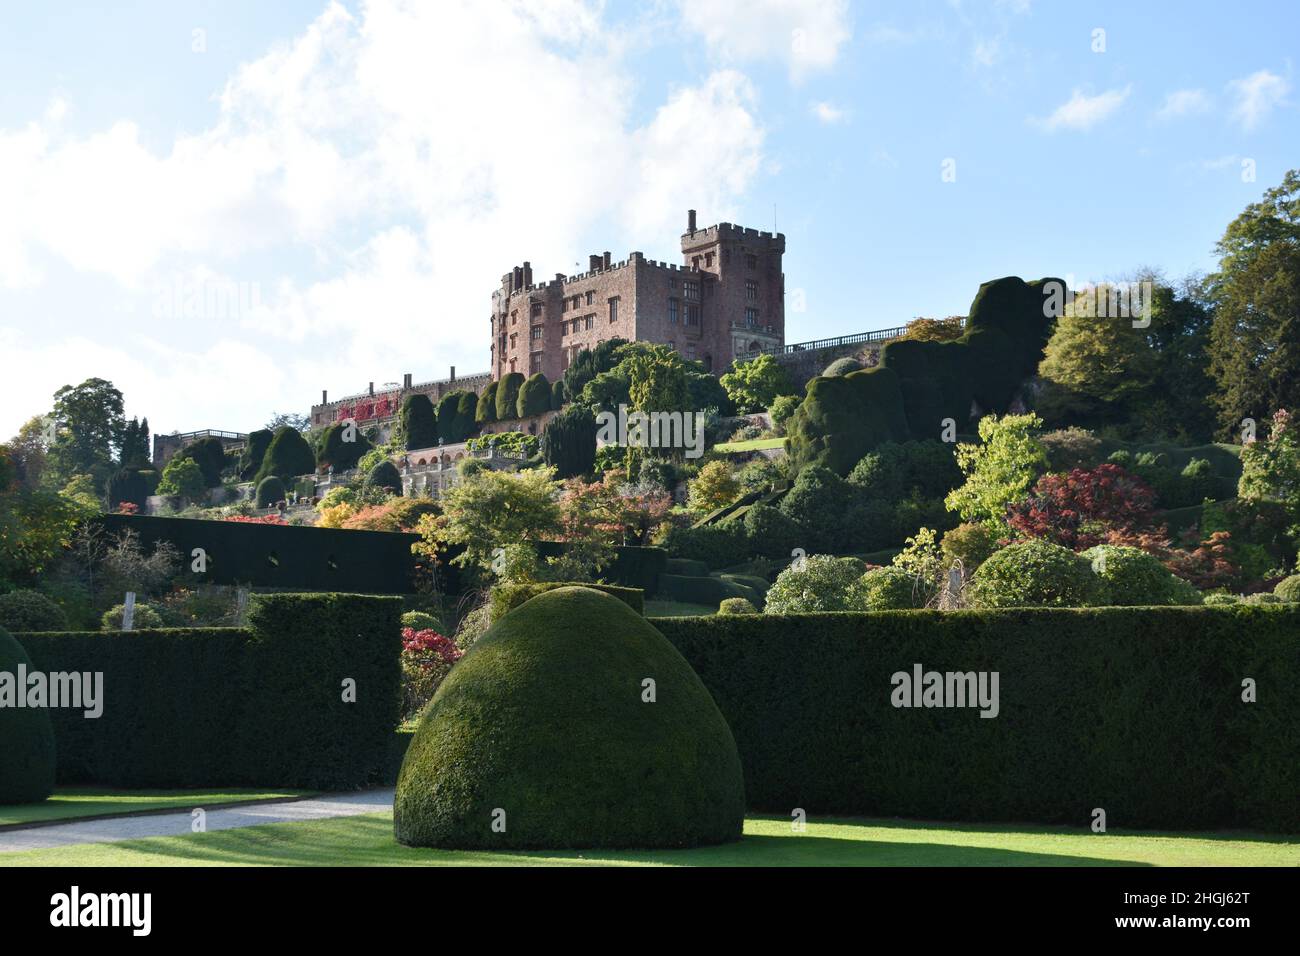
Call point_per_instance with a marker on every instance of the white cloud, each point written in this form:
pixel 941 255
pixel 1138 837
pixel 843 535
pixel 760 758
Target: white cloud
pixel 807 34
pixel 828 113
pixel 1257 96
pixel 1081 112
pixel 1184 103
pixel 987 51
pixel 372 192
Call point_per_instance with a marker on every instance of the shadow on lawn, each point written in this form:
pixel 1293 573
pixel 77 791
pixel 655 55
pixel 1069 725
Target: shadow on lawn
pixel 368 841
pixel 1045 829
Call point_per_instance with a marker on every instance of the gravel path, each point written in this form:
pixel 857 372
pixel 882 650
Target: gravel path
pixel 175 824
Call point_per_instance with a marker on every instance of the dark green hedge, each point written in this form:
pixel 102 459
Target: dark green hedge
pixel 507 597
pixel 1134 710
pixel 256 706
pixel 281 556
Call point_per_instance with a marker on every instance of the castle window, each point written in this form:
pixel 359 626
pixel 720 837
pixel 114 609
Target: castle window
pixel 613 309
pixel 692 315
pixel 751 290
pixel 708 260
pixel 672 311
pixel 535 363
pixel 690 351
pixel 564 329
pixel 591 297
pixel 692 291
pixel 512 365
pixel 513 337
pixel 536 332
pixel 564 305
pixel 751 261
pixel 537 309
pixel 589 322
pixel 751 317
pixel 514 317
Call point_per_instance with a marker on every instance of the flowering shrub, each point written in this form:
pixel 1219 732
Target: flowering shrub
pixel 1077 510
pixel 427 656
pixel 127 508
pixel 256 519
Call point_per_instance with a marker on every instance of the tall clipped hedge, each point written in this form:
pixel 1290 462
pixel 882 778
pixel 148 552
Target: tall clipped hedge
pixel 287 456
pixel 508 395
pixel 257 706
pixel 534 396
pixel 280 556
pixel 919 384
pixel 1138 711
pixel 210 455
pixel 336 450
pixel 27 748
pixel 419 421
pixel 569 442
pixel 250 459
pixel 485 411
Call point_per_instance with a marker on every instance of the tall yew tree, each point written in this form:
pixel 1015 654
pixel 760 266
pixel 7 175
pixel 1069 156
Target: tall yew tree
pixel 1255 339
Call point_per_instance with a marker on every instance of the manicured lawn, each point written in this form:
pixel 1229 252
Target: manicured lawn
pixel 368 841
pixel 72 802
pixel 656 608
pixel 754 444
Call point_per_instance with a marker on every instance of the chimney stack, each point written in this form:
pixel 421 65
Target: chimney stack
pixel 593 262
pixel 528 274
pixel 324 397
pixel 690 221
pixel 606 259
pixel 371 390
pixel 406 380
pixel 453 373
pixel 518 282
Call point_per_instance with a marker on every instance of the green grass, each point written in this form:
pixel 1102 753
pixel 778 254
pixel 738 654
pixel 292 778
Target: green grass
pixel 663 608
pixel 754 444
pixel 368 841
pixel 69 803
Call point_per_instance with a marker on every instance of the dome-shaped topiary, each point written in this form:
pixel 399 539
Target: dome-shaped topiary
pixel 420 621
pixel 269 491
pixel 1035 574
pixel 736 605
pixel 843 366
pixel 542 736
pixel 1288 589
pixel 886 589
pixel 385 475
pixel 144 616
pixel 1135 578
pixel 27 756
pixel 30 611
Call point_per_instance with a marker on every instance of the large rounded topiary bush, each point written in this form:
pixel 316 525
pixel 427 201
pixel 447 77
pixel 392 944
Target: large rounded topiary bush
pixel 886 589
pixel 1134 578
pixel 1288 589
pixel 1035 574
pixel 27 754
pixel 541 737
pixel 30 611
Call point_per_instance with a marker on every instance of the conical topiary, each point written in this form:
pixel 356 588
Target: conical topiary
pixel 572 723
pixel 26 733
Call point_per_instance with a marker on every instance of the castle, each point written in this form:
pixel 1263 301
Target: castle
pixel 726 300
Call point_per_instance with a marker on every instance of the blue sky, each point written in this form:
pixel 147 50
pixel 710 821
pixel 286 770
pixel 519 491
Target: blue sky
pixel 227 207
